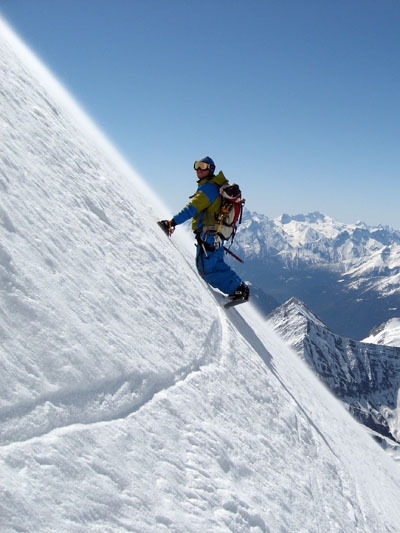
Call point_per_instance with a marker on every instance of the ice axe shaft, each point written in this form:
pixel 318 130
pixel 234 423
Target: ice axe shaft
pixel 233 255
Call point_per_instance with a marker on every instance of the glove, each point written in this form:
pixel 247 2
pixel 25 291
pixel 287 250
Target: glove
pixel 168 226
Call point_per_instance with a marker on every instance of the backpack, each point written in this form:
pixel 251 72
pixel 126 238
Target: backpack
pixel 230 213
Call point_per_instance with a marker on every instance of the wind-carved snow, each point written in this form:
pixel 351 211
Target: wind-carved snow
pixel 129 399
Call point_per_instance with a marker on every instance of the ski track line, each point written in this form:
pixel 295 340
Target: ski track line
pixel 103 402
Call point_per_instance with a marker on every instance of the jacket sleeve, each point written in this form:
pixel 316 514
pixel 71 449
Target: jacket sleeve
pixel 204 197
pixel 187 212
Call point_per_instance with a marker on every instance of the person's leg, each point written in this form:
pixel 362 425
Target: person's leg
pixel 212 267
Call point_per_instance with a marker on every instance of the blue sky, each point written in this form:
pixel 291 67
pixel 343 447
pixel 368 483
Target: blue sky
pixel 297 101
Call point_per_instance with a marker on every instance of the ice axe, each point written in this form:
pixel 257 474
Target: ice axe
pixel 233 255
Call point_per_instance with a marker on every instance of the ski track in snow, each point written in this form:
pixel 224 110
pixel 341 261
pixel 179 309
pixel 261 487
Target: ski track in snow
pixel 106 400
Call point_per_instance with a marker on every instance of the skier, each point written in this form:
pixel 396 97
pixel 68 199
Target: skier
pixel 203 209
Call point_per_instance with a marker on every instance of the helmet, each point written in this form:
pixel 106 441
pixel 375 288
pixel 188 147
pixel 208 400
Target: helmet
pixel 208 161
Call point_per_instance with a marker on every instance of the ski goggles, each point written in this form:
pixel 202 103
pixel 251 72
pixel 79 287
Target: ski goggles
pixel 201 165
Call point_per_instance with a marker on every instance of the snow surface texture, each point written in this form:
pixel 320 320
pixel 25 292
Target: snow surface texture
pixel 130 400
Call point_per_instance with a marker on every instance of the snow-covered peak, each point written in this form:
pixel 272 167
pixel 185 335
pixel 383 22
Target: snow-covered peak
pixel 310 218
pixel 300 229
pixel 129 400
pixel 292 320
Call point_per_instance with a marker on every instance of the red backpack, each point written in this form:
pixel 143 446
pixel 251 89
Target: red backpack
pixel 230 214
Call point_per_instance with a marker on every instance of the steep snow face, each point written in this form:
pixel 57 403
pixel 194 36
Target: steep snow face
pixel 365 376
pixel 129 400
pixel 78 254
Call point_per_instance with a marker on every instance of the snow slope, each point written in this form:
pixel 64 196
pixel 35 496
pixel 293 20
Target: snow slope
pixel 129 399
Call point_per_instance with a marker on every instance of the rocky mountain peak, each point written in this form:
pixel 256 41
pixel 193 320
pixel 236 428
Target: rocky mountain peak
pixel 366 377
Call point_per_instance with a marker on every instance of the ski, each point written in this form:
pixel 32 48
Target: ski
pixel 233 303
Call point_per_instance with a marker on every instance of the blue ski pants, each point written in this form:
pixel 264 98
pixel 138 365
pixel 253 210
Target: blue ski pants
pixel 211 265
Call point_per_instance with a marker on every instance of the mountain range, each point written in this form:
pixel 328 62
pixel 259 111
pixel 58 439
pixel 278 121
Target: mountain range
pixel 348 274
